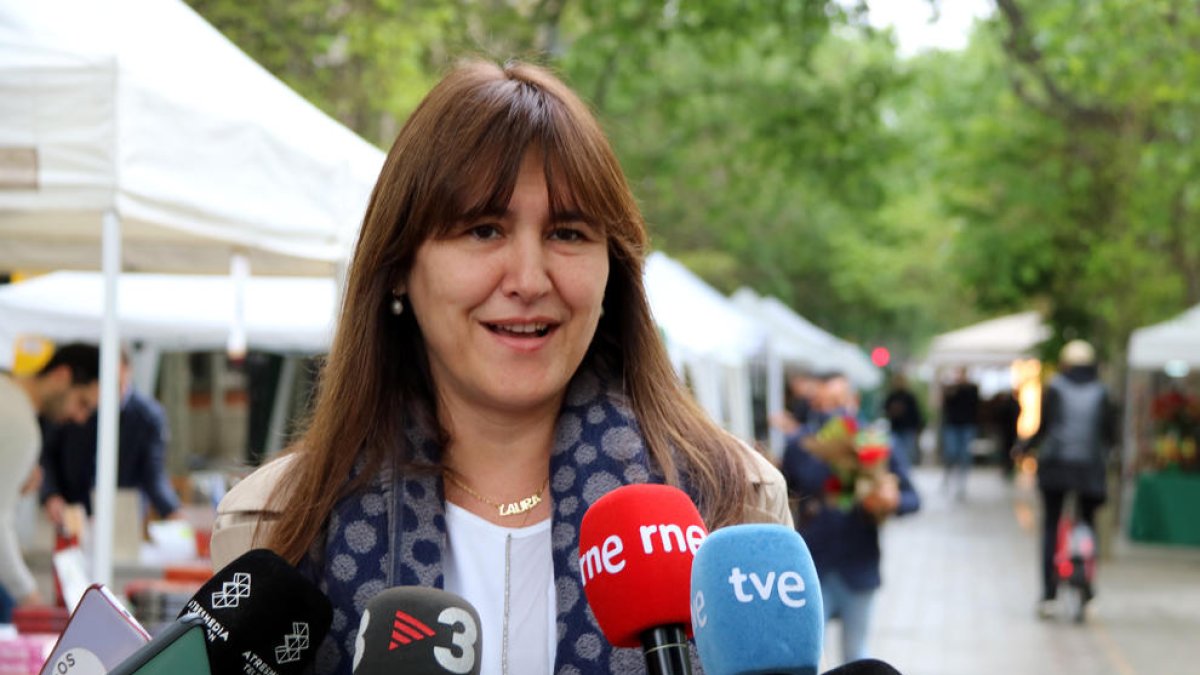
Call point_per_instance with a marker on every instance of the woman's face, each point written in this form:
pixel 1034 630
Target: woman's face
pixel 508 304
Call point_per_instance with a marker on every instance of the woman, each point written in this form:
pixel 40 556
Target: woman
pixel 495 371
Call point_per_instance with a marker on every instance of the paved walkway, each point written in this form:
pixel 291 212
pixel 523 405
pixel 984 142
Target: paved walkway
pixel 961 581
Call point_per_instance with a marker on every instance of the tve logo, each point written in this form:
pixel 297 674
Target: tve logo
pixel 790 586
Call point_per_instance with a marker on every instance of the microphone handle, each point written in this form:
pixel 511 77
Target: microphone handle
pixel 666 650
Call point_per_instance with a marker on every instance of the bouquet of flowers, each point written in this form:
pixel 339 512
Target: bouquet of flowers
pixel 1176 418
pixel 858 459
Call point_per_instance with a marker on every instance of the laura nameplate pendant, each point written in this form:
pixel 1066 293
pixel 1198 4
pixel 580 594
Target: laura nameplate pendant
pixel 517 508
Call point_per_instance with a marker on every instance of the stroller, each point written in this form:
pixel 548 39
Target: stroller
pixel 1075 564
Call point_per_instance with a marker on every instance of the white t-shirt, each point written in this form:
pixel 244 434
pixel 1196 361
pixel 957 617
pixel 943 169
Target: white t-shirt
pixel 476 570
pixel 20 443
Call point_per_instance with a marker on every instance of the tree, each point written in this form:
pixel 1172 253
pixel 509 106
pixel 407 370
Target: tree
pixel 1075 177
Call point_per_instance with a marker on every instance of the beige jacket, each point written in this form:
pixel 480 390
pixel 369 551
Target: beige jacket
pixel 246 504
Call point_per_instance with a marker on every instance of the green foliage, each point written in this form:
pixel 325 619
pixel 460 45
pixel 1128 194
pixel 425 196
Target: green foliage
pixel 1070 162
pixel 781 144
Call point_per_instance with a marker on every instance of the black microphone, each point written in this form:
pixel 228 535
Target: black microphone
pixel 178 650
pixel 262 617
pixel 418 631
pixel 864 667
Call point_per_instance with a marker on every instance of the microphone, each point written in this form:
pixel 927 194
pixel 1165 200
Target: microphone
pixel 178 650
pixel 756 603
pixel 864 667
pixel 100 635
pixel 636 546
pixel 418 631
pixel 261 616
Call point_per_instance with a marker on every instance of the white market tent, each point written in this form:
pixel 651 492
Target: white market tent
pixel 794 340
pixel 709 339
pixel 173 312
pixel 996 342
pixel 135 136
pixel 142 109
pixel 1177 339
pixel 293 316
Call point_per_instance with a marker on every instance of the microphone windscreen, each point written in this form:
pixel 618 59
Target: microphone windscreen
pixel 180 649
pixel 756 602
pixel 636 545
pixel 101 630
pixel 864 667
pixel 418 631
pixel 260 611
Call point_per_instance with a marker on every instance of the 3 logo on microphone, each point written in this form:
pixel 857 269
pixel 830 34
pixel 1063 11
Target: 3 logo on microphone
pixel 457 626
pixel 406 629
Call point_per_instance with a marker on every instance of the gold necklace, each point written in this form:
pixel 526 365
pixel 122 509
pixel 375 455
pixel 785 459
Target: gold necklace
pixel 514 508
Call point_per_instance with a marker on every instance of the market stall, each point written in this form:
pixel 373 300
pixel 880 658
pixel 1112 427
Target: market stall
pixel 136 136
pixel 710 341
pixel 1162 431
pixel 793 340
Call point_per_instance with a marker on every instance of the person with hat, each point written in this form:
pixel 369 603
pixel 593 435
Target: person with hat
pixel 1076 435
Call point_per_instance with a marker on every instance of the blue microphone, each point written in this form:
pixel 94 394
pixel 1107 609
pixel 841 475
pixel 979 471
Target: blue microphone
pixel 756 603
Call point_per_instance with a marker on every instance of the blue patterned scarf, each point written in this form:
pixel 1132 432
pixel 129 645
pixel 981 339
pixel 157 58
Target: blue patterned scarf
pixel 394 532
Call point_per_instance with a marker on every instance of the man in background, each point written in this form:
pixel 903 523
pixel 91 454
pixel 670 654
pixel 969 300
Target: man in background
pixel 843 538
pixel 904 417
pixel 960 424
pixel 802 390
pixel 1007 410
pixel 65 389
pixel 69 456
pixel 1075 438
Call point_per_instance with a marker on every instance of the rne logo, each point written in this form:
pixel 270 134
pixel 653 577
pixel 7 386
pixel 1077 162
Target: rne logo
pixel 407 629
pixel 656 539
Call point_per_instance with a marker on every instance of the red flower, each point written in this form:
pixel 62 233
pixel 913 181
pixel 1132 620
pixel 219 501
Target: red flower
pixel 873 454
pixel 833 485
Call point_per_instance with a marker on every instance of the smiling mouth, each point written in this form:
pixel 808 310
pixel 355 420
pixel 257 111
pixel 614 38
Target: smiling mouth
pixel 521 330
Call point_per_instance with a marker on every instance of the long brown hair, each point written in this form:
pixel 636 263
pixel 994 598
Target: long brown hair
pixel 458 156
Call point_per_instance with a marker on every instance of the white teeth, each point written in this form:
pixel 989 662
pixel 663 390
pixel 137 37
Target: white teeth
pixel 524 328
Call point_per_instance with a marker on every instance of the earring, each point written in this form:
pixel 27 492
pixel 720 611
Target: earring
pixel 397 305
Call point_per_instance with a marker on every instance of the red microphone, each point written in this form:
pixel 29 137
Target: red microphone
pixel 636 546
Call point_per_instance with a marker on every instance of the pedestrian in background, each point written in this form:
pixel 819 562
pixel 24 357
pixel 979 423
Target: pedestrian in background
pixel 1073 444
pixel 960 425
pixel 1007 411
pixel 905 419
pixel 66 388
pixel 801 391
pixel 69 456
pixel 843 540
